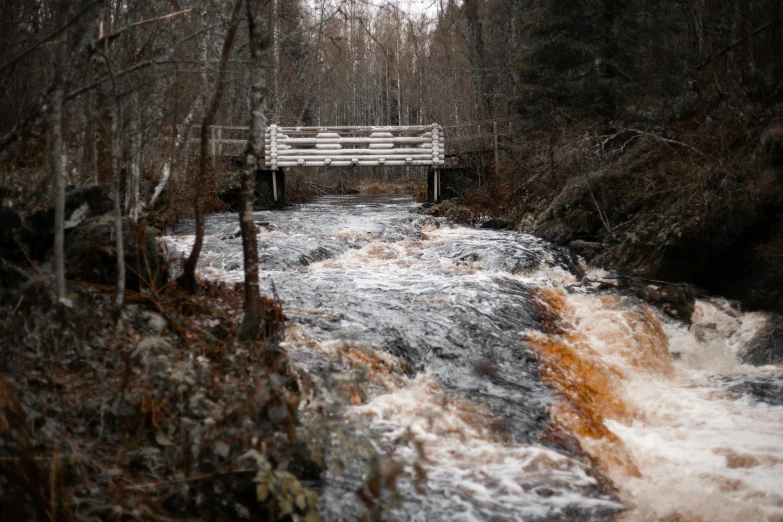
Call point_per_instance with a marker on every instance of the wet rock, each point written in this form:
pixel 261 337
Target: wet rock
pixel 675 300
pixel 765 390
pixel 442 354
pixel 425 222
pixel 153 321
pixel 90 254
pixel 314 256
pixel 586 249
pixel 766 347
pixel 260 226
pixel 80 204
pixel 394 233
pixel 427 209
pixel 495 224
pixel 544 492
pixel 449 209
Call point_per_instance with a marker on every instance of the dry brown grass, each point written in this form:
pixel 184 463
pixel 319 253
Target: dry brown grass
pixel 182 190
pixel 420 192
pixel 374 188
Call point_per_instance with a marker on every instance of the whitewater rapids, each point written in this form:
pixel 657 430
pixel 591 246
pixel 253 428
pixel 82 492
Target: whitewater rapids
pixel 518 391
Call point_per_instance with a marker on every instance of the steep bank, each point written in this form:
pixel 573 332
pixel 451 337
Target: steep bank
pixel 695 199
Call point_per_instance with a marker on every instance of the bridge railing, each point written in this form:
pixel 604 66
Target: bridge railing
pixel 354 146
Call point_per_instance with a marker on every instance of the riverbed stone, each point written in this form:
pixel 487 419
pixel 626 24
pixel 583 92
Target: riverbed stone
pixel 767 346
pixel 495 224
pixel 586 249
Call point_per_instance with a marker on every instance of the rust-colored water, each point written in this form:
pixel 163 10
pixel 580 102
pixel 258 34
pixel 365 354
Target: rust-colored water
pixel 591 388
pixel 678 448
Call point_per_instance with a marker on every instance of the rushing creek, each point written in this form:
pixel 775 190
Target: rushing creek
pixel 519 389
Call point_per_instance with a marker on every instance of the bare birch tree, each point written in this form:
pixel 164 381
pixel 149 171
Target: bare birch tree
pixel 259 58
pixel 180 140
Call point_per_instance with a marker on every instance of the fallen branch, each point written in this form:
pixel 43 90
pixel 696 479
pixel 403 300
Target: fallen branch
pixel 103 36
pixel 644 279
pixel 728 48
pixel 666 140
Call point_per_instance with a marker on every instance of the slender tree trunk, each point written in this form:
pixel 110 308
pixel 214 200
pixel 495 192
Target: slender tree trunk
pixel 59 202
pixel 189 272
pixel 179 143
pixel 132 186
pixel 259 45
pixel 475 38
pixel 119 246
pixel 276 103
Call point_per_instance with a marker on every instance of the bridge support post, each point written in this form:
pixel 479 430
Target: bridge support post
pixel 495 143
pixel 434 187
pixel 270 188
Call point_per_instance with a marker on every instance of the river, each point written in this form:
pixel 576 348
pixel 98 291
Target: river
pixel 495 373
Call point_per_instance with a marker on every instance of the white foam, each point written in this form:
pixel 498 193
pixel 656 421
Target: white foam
pixel 464 456
pixel 703 453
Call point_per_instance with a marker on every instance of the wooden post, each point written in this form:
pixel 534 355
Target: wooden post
pixel 220 141
pixel 273 147
pixel 497 156
pixel 274 185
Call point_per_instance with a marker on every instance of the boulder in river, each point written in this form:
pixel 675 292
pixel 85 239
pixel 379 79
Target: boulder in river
pixel 89 243
pixel 586 249
pixel 676 300
pixel 767 346
pixel 495 224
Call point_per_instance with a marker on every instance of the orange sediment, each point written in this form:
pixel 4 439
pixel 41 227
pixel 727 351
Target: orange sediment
pixel 590 383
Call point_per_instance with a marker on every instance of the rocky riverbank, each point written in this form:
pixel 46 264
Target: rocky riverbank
pixel 669 221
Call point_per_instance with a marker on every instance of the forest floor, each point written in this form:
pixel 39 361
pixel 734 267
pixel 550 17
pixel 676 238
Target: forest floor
pixel 157 415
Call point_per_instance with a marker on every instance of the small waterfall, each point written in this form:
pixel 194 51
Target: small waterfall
pixel 500 387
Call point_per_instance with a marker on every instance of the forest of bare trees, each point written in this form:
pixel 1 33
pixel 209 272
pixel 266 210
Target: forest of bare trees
pixel 645 135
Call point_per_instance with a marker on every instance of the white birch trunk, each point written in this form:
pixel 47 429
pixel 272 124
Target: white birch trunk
pixel 259 45
pixel 179 144
pixel 132 186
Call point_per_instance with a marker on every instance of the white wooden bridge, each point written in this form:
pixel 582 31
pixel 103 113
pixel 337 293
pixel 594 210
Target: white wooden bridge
pixel 364 146
pixel 416 146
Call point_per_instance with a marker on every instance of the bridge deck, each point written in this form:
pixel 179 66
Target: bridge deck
pixel 353 146
pixel 461 144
